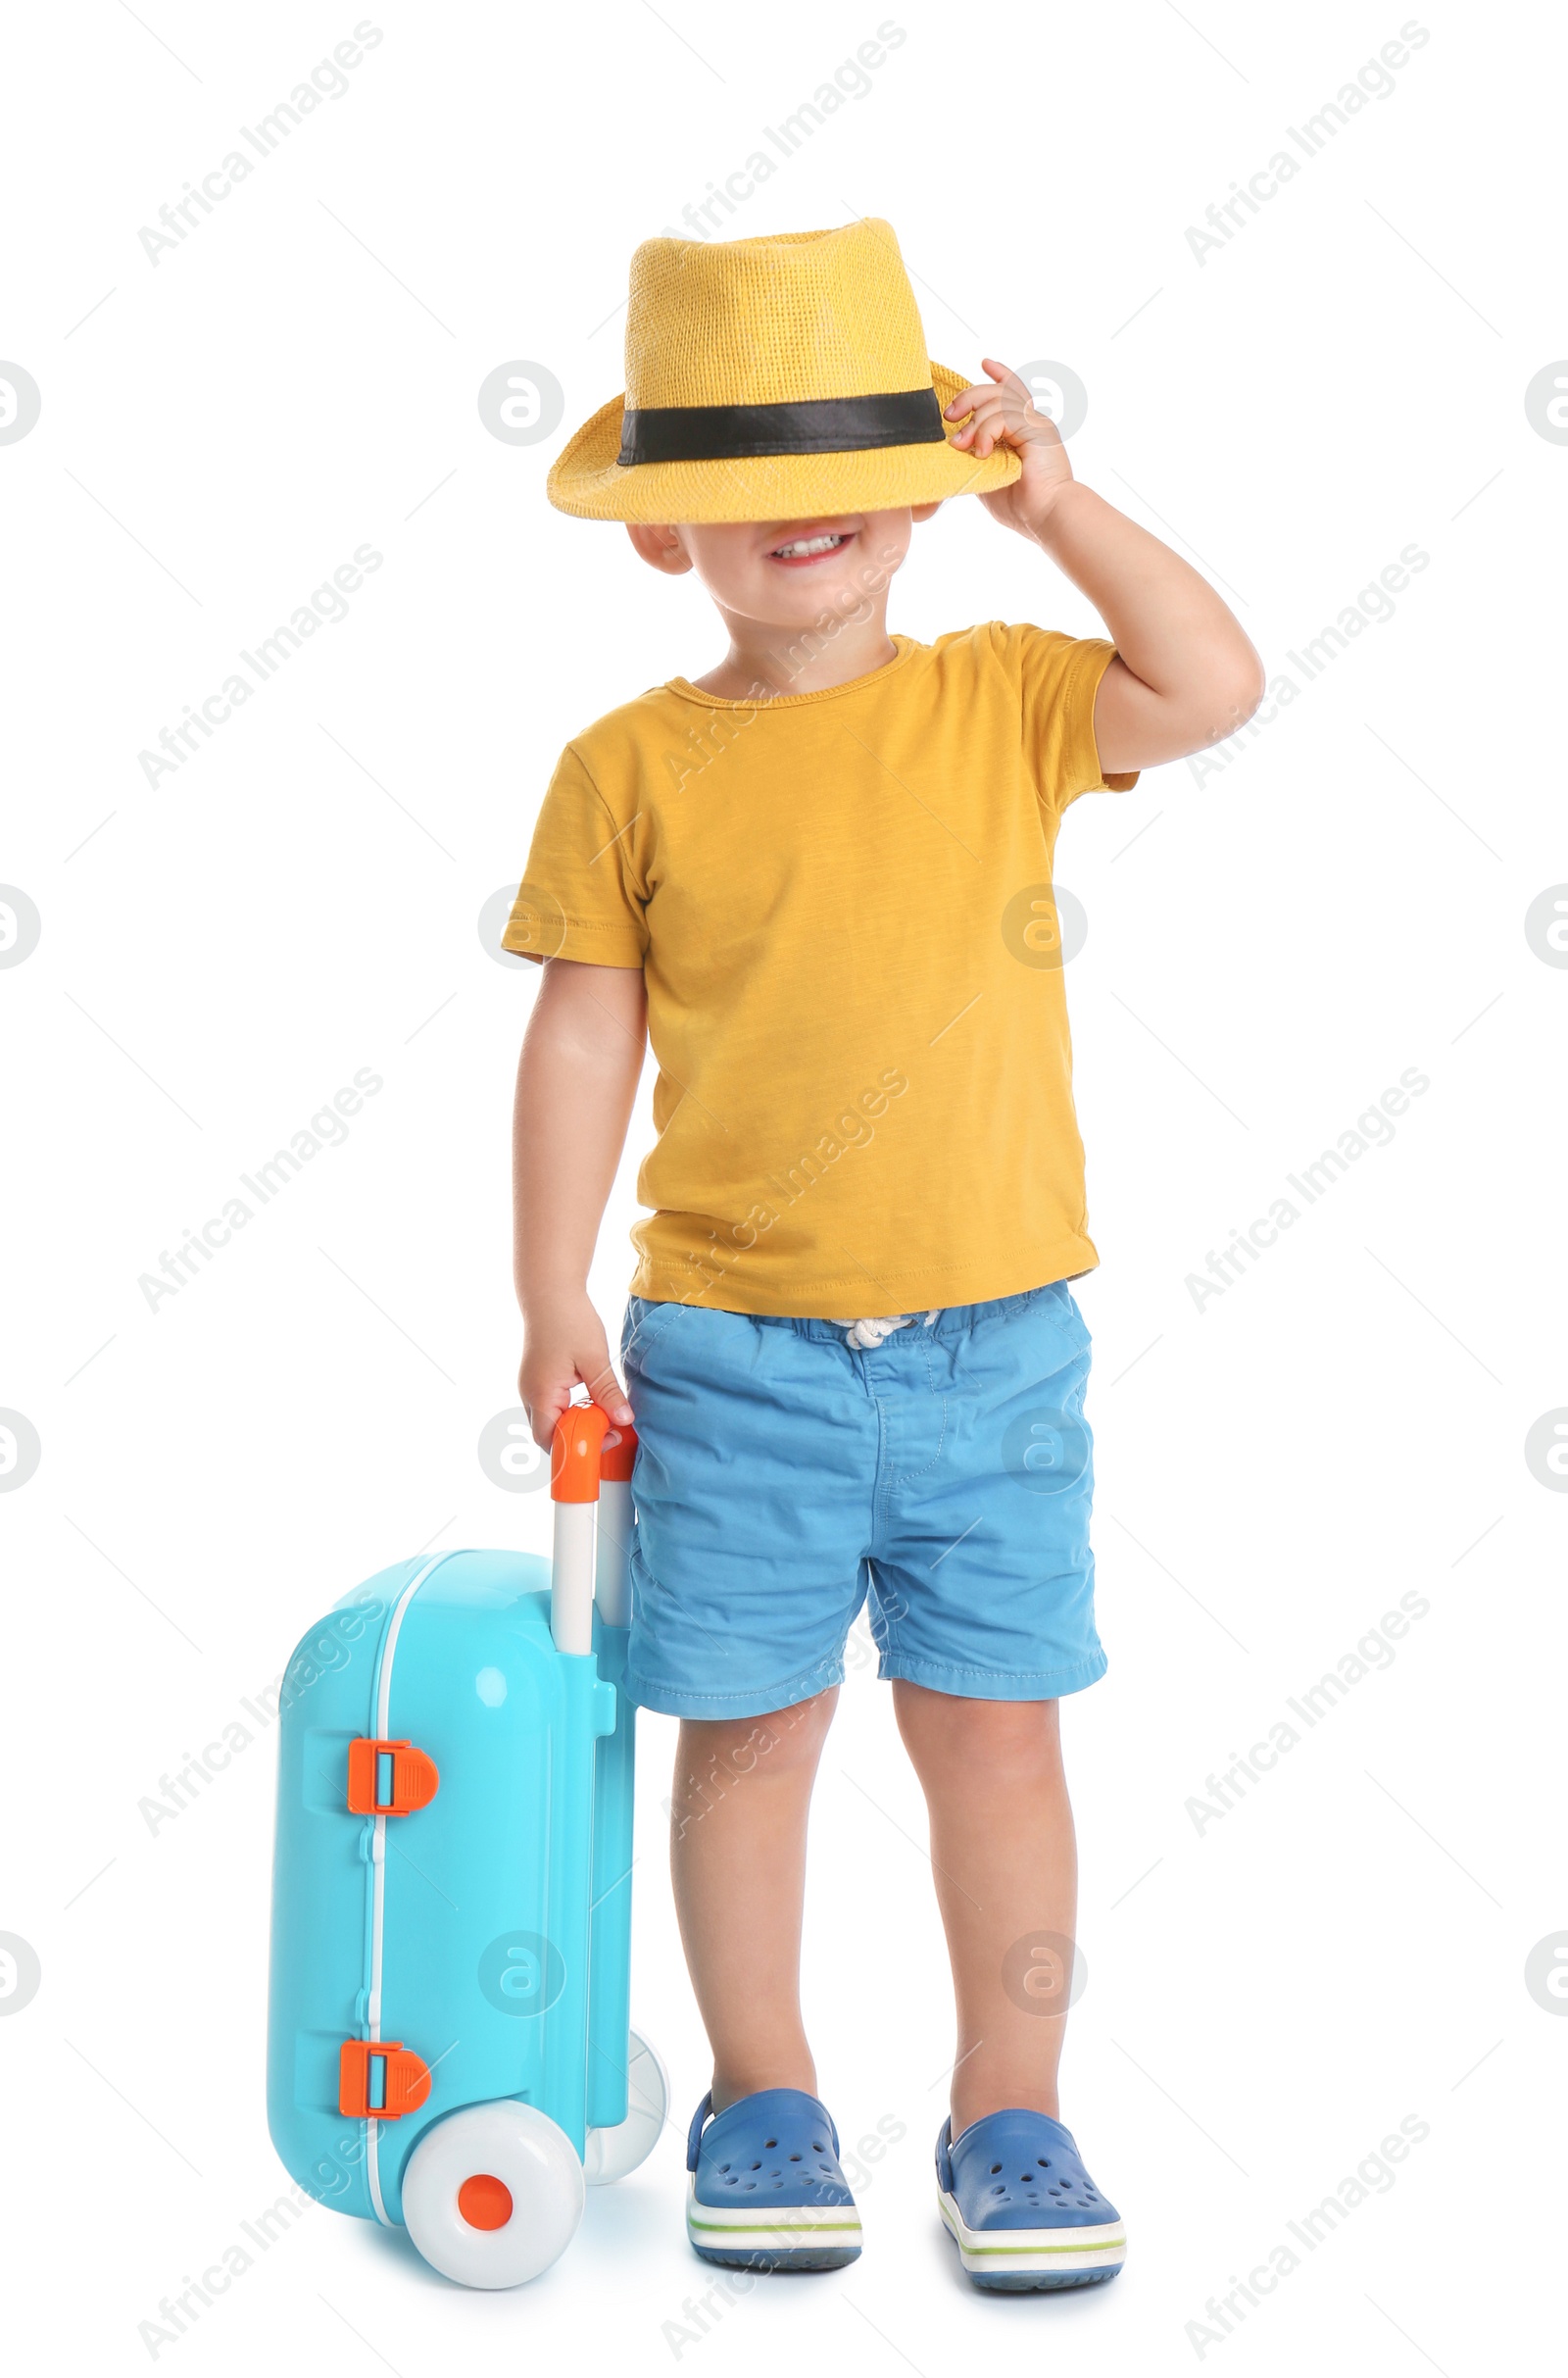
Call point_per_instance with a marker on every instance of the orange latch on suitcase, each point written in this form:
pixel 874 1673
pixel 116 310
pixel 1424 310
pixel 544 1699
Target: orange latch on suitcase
pixel 384 2071
pixel 406 1782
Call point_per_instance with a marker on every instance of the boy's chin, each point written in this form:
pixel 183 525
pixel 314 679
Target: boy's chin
pixel 798 602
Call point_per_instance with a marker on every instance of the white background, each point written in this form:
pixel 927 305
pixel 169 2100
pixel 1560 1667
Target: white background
pixel 1268 1997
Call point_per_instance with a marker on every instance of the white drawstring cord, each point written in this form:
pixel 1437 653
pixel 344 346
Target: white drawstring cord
pixel 870 1333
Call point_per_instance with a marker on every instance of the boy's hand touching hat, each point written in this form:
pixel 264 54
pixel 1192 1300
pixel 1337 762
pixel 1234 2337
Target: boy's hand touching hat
pixel 1004 414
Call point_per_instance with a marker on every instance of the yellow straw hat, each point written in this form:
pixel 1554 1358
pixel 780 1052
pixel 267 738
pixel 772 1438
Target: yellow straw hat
pixel 772 379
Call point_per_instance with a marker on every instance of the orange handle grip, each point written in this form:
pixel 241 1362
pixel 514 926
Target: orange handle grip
pixel 615 1461
pixel 574 1453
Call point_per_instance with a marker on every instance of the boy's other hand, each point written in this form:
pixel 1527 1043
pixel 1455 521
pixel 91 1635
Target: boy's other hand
pixel 1004 416
pixel 564 1347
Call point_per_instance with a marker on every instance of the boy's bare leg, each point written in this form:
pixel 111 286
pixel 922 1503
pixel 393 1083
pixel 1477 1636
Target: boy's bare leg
pixel 737 1855
pixel 1005 1866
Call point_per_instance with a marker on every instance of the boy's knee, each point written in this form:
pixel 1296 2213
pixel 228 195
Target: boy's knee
pixel 775 1744
pixel 940 1726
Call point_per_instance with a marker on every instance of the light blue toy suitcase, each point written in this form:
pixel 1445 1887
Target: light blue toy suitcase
pixel 449 2047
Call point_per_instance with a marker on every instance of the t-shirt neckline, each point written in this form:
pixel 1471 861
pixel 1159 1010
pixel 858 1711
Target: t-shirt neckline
pixel 688 692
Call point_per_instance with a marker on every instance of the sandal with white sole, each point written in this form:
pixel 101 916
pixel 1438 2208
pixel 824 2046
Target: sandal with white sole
pixel 767 2191
pixel 1021 2208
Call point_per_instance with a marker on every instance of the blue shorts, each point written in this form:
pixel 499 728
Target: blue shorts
pixel 783 1478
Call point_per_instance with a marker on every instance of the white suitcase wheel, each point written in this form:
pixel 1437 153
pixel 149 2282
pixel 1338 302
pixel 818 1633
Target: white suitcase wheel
pixel 493 2194
pixel 612 2153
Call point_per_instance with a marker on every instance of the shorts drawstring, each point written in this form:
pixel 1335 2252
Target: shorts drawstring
pixel 870 1333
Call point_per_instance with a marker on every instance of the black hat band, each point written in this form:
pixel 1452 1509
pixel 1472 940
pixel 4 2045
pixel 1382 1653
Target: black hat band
pixel 829 424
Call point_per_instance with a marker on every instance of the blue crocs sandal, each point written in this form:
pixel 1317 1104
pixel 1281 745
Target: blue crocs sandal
pixel 767 2191
pixel 1021 2208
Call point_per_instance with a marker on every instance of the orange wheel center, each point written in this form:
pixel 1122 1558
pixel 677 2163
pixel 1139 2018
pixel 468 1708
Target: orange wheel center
pixel 484 2202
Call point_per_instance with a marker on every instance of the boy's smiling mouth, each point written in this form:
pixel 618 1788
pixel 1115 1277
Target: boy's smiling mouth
pixel 802 552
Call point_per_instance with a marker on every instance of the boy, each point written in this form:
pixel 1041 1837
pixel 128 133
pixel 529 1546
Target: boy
pixel 818 880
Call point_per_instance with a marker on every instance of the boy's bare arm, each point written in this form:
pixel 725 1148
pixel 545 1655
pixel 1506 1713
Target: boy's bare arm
pixel 577 1080
pixel 1185 673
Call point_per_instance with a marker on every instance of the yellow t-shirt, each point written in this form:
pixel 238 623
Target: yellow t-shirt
pixel 841 902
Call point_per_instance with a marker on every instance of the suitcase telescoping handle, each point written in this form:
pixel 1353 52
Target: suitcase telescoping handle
pixel 580 1467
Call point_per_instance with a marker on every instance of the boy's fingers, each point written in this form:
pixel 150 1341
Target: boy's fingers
pixel 990 427
pixel 966 400
pixel 1009 378
pixel 1002 384
pixel 1002 413
pixel 544 1411
pixel 608 1394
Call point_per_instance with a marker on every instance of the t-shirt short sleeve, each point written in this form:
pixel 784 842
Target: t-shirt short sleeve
pixel 1056 678
pixel 579 897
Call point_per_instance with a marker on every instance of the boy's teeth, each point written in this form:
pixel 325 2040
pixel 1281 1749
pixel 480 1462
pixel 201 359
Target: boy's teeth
pixel 788 553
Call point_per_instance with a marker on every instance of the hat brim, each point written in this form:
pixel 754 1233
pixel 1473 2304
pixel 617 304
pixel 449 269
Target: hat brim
pixel 587 480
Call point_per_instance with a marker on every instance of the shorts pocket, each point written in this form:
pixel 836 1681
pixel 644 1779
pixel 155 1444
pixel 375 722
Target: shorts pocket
pixel 652 1322
pixel 1061 1306
pixel 646 1322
